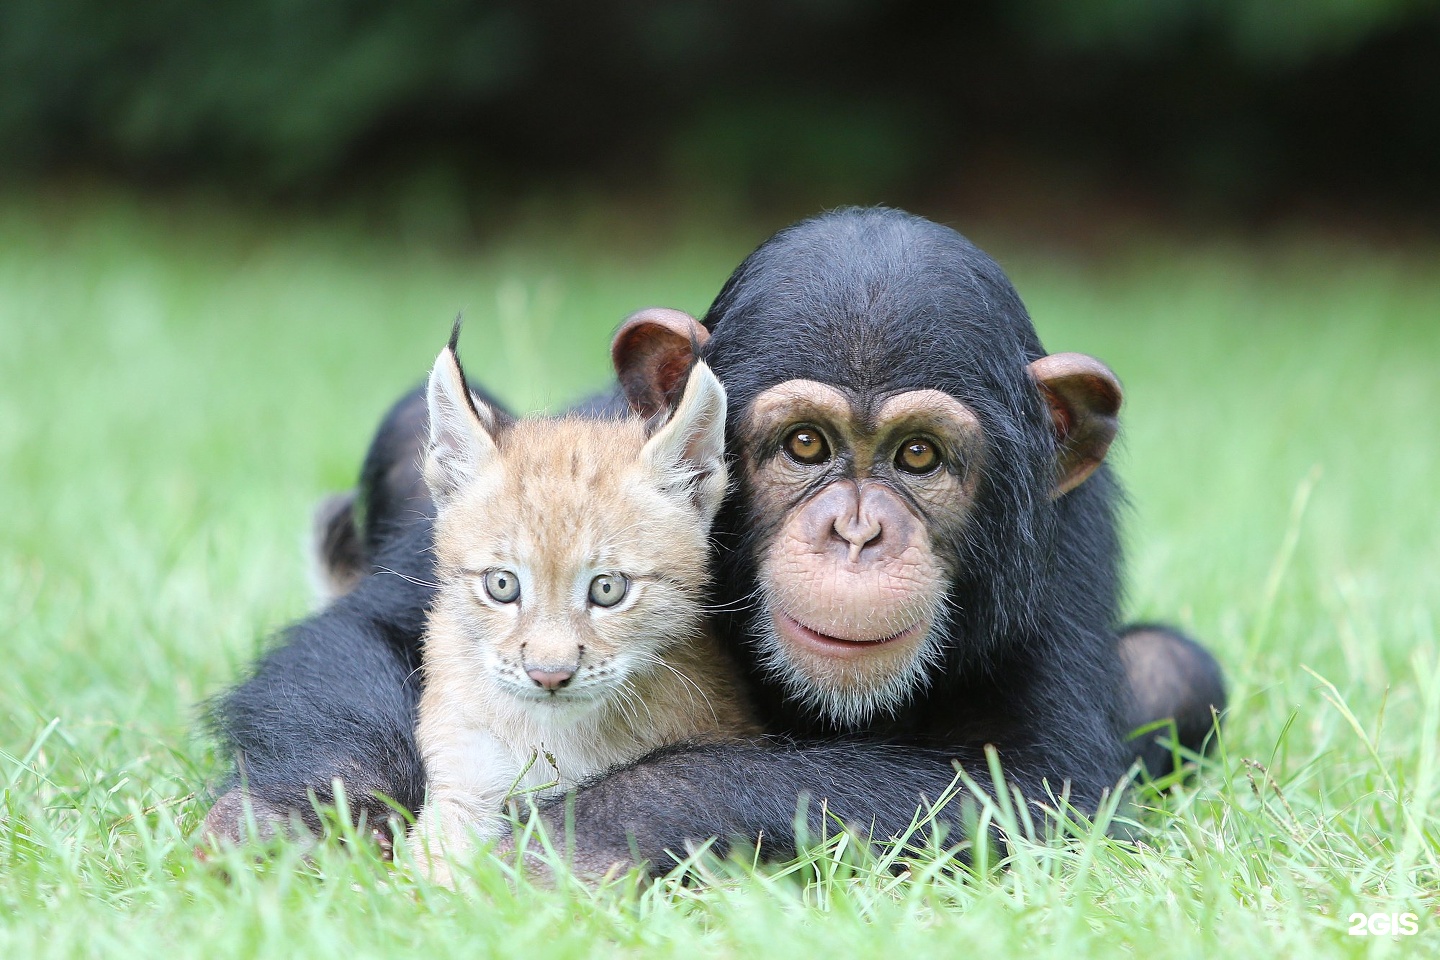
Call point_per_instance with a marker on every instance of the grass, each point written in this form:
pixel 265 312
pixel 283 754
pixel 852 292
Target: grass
pixel 180 381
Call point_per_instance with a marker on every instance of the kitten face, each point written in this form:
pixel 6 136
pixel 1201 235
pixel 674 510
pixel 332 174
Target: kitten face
pixel 564 555
pixel 570 553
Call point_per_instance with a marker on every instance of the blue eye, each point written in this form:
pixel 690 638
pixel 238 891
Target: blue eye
pixel 607 589
pixel 503 586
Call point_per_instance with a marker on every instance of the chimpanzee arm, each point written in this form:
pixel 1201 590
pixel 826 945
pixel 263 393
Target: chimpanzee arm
pixel 335 699
pixel 749 792
pixel 1169 677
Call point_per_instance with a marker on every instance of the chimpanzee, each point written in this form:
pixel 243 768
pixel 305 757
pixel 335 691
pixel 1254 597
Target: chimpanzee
pixel 919 558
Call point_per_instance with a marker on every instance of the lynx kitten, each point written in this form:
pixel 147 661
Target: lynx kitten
pixel 568 632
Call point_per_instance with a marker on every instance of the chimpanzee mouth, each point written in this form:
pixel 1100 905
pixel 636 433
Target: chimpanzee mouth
pixel 795 632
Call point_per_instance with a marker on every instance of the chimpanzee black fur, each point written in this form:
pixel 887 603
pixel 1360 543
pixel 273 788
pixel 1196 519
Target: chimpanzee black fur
pixel 874 301
pixel 337 696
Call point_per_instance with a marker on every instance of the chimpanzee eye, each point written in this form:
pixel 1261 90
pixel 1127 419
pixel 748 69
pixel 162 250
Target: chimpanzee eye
pixel 503 586
pixel 807 445
pixel 917 455
pixel 607 589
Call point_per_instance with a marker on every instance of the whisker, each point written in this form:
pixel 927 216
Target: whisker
pixel 406 577
pixel 633 696
pixel 686 680
pixel 747 602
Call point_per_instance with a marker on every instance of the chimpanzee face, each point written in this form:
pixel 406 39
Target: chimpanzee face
pixel 850 496
pixel 900 440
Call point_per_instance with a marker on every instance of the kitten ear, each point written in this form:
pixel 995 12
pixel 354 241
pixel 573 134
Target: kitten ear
pixel 689 449
pixel 462 429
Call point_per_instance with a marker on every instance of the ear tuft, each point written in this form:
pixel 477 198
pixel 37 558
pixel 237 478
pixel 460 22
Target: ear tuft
pixel 1084 398
pixel 652 352
pixel 454 343
pixel 461 439
pixel 689 448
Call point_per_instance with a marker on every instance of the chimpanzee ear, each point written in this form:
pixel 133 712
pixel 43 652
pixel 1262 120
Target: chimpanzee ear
pixel 1084 399
pixel 688 450
pixel 652 352
pixel 462 429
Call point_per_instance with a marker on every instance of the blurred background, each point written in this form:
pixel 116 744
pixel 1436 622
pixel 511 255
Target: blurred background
pixel 448 110
pixel 232 231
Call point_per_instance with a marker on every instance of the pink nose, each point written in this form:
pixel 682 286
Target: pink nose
pixel 551 679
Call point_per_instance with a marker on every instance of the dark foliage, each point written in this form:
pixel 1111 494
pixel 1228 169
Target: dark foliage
pixel 1235 101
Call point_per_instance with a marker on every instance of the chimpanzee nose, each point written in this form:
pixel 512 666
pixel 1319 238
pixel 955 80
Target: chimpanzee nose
pixel 551 678
pixel 857 529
